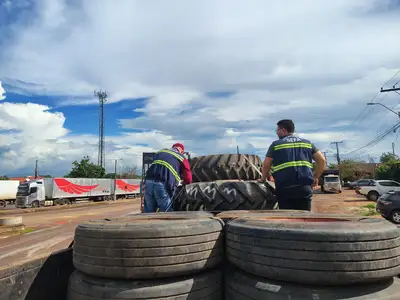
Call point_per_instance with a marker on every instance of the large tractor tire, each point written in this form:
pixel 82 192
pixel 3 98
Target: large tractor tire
pixel 225 195
pixel 316 249
pixel 148 246
pixel 225 167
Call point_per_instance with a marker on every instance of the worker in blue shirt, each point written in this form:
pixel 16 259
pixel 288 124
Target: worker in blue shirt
pixel 290 160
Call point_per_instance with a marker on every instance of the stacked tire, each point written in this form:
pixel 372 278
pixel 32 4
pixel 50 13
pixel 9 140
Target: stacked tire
pixel 306 256
pixel 225 182
pixel 149 256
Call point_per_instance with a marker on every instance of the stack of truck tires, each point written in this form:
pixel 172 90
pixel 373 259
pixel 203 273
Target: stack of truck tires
pixel 225 182
pixel 306 256
pixel 149 256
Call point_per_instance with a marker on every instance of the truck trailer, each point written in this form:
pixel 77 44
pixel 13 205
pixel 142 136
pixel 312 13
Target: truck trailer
pixel 8 191
pixel 59 191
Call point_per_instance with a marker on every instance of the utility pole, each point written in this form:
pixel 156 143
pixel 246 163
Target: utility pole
pixel 337 152
pixel 326 160
pixel 237 149
pixel 115 180
pixel 36 169
pixel 115 177
pixel 394 152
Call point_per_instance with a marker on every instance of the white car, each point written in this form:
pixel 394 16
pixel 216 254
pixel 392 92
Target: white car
pixel 378 188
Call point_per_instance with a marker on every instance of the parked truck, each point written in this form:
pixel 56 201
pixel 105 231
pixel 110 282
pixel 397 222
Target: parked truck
pixel 8 191
pixel 330 181
pixel 59 191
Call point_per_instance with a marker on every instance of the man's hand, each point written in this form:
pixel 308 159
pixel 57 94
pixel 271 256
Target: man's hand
pixel 315 184
pixel 261 180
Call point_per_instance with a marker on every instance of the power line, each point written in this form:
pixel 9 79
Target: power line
pixel 377 139
pixel 372 100
pixel 394 88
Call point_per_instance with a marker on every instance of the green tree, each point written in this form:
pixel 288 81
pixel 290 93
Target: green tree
pixel 350 169
pixel 86 169
pixel 4 177
pixel 332 166
pixel 389 170
pixel 111 175
pixel 387 157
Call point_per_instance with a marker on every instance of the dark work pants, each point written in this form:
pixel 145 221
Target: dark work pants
pixel 296 198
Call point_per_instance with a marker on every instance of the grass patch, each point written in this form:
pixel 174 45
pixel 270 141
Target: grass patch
pixel 369 210
pixel 27 230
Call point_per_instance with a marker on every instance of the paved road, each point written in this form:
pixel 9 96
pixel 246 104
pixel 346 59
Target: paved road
pixel 54 230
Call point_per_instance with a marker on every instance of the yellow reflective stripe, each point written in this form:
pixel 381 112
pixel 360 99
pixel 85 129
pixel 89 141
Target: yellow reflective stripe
pixel 169 167
pixel 300 163
pixel 172 153
pixel 293 145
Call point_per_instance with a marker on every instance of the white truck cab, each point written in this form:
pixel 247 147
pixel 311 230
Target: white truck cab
pixel 332 184
pixel 30 194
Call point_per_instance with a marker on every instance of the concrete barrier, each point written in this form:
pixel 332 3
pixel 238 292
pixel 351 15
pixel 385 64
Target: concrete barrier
pixel 10 221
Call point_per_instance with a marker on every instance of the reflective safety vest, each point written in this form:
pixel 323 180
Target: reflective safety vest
pixel 166 168
pixel 292 162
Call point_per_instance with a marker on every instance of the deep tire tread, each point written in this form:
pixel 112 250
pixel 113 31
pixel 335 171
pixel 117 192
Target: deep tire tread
pixel 225 167
pixel 225 195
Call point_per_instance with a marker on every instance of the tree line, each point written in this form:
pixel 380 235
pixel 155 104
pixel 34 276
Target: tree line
pixel 351 169
pixel 85 168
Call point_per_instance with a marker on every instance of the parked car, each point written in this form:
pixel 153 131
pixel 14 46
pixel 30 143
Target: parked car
pixel 360 182
pixel 388 205
pixel 378 188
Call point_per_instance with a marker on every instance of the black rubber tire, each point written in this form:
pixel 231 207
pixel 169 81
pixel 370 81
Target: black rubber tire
pixel 243 286
pixel 205 286
pixel 225 195
pixel 373 196
pixel 153 247
pixel 315 250
pixel 394 216
pixel 225 167
pixel 3 204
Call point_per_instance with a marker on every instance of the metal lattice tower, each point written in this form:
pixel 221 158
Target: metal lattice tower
pixel 101 154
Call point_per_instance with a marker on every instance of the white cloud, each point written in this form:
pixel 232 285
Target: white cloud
pixel 2 92
pixel 317 62
pixel 29 132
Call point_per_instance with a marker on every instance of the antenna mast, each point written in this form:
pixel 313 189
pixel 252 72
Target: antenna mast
pixel 102 95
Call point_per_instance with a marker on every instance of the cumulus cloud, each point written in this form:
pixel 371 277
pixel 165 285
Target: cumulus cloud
pixel 317 62
pixel 2 92
pixel 29 132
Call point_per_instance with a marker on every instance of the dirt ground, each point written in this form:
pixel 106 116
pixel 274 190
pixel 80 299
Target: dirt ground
pixel 51 230
pixel 348 202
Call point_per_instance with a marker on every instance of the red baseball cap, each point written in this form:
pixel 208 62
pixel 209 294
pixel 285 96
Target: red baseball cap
pixel 178 145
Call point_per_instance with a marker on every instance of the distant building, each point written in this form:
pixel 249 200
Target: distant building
pixel 366 169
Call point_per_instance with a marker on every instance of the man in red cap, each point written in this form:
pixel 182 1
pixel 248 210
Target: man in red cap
pixel 169 168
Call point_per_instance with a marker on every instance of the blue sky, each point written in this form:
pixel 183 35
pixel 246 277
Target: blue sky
pixel 199 73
